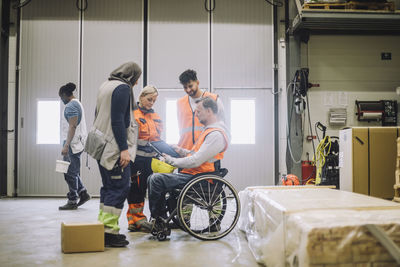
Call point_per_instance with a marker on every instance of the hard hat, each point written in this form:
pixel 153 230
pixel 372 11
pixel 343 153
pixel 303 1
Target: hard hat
pixel 159 166
pixel 290 179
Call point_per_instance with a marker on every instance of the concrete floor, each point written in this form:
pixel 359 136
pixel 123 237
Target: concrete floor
pixel 30 236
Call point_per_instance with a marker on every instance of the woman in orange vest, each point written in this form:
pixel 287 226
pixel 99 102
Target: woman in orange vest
pixel 150 128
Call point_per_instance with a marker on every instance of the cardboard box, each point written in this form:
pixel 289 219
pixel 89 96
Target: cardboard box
pixel 82 237
pixel 398 147
pixel 360 160
pixel 383 155
pixel 369 156
pixel 397 176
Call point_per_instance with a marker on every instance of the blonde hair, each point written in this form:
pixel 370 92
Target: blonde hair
pixel 148 90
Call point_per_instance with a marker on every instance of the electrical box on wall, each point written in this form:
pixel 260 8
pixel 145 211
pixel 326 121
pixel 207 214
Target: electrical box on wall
pixel 386 56
pixel 382 110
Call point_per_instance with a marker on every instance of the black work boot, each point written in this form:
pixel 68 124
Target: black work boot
pixel 116 241
pixel 69 206
pixel 83 197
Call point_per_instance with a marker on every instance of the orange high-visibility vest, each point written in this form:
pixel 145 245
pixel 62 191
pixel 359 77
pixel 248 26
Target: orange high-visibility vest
pixel 206 166
pixel 189 125
pixel 150 125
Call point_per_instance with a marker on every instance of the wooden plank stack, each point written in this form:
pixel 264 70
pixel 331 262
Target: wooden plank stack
pixel 351 6
pixel 396 186
pixel 317 227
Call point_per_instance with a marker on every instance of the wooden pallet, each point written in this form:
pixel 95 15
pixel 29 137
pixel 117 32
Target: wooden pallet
pixel 396 188
pixel 352 5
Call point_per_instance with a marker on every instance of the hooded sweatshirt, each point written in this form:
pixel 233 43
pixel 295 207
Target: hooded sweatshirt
pixel 213 144
pixel 127 73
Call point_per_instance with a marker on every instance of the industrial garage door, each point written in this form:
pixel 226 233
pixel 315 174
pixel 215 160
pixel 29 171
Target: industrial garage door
pixel 49 58
pixel 231 49
pixel 232 52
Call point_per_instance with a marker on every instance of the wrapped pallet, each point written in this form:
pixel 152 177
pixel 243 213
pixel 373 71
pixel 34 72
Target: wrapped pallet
pixel 317 227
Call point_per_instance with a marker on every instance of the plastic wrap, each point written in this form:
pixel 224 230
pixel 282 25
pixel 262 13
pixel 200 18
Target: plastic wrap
pixel 316 227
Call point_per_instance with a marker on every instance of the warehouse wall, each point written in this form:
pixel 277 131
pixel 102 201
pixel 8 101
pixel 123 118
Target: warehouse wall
pixel 351 67
pixel 11 101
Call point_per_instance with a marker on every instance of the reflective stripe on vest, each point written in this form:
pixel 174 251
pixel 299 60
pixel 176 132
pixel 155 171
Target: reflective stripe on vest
pixel 206 166
pixel 189 126
pixel 150 125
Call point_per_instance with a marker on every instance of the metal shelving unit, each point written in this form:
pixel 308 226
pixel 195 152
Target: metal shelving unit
pixel 345 22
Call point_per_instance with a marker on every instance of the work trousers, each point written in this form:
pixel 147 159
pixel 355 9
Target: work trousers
pixel 159 184
pixel 140 171
pixel 112 195
pixel 72 177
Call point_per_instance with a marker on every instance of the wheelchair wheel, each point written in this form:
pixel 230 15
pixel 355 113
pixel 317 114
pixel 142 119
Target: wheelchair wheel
pixel 208 207
pixel 161 237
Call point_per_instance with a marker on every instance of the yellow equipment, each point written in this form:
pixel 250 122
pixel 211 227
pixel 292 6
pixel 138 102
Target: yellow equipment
pixel 159 166
pixel 322 151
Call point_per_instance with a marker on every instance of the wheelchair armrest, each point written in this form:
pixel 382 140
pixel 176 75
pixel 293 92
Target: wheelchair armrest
pixel 221 173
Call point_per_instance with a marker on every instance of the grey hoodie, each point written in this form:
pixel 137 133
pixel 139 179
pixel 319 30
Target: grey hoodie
pixel 128 73
pixel 213 144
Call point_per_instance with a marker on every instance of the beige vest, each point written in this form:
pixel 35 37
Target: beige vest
pixel 102 124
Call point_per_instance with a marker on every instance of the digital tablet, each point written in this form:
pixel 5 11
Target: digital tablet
pixel 162 147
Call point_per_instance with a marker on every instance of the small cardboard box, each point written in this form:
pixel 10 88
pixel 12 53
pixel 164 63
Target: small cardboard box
pixel 82 237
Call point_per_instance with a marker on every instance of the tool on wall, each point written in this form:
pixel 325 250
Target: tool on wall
pixel 298 104
pixel 383 110
pixel 300 90
pixel 21 3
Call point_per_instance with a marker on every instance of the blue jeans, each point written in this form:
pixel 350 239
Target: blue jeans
pixel 72 177
pixel 161 183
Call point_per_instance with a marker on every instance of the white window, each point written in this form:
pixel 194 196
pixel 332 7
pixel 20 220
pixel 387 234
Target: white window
pixel 243 121
pixel 171 125
pixel 48 122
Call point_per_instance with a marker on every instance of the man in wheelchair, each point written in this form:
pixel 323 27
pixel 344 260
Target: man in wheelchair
pixel 204 157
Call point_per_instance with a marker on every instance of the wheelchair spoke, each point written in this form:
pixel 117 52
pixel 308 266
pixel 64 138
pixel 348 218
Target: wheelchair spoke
pixel 212 196
pixel 217 200
pixel 199 196
pixel 216 217
pixel 218 209
pixel 197 201
pixel 209 199
pixel 203 193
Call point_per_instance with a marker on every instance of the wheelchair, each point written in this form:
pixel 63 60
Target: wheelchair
pixel 207 207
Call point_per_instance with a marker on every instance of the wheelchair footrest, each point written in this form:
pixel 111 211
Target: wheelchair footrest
pixel 161 229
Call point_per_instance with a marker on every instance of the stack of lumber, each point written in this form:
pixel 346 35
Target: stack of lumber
pixel 317 227
pixel 396 186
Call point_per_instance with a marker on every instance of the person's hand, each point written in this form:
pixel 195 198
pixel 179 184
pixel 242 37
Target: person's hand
pixel 64 151
pixel 167 158
pixel 179 150
pixel 125 158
